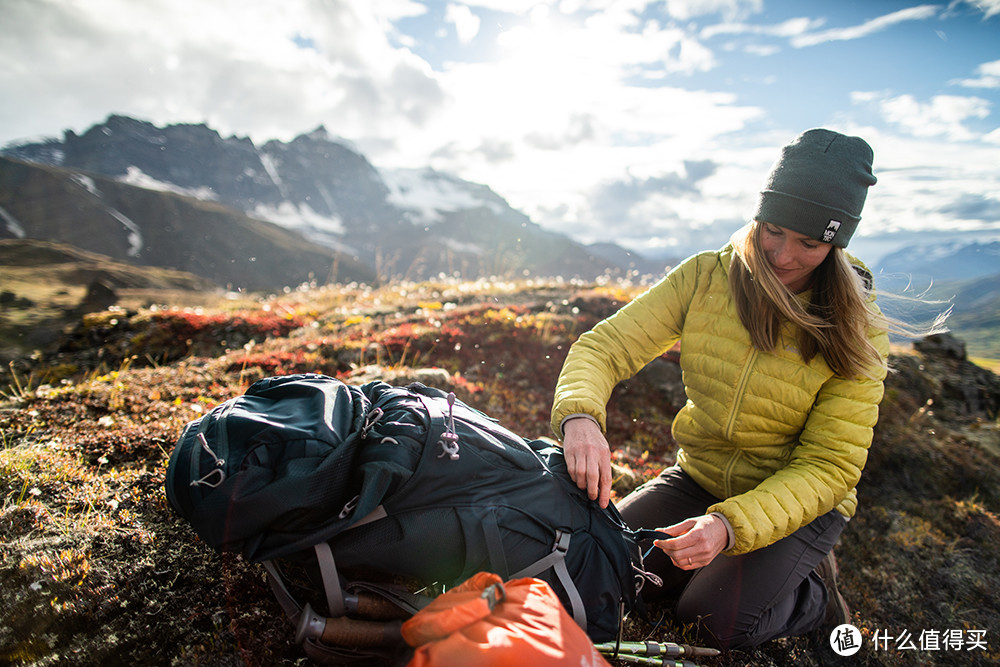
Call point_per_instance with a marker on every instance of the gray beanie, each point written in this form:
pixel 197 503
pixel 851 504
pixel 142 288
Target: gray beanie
pixel 818 186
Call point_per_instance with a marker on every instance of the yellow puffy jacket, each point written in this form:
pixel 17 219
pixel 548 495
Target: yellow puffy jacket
pixel 779 440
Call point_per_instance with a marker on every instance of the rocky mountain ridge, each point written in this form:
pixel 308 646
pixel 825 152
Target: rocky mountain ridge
pixel 163 229
pixel 402 225
pixel 943 261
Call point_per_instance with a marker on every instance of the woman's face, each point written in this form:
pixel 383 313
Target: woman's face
pixel 792 256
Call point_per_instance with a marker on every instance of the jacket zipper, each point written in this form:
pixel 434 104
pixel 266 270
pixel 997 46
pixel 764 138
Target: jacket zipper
pixel 741 387
pixel 731 423
pixel 727 483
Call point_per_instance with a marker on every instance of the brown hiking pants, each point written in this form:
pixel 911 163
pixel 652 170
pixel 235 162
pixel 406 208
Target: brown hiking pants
pixel 736 601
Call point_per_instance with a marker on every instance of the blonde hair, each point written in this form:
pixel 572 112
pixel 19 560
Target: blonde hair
pixel 835 323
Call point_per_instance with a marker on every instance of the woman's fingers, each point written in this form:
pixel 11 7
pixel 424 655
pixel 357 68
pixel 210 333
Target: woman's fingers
pixel 588 458
pixel 604 483
pixel 593 472
pixel 696 542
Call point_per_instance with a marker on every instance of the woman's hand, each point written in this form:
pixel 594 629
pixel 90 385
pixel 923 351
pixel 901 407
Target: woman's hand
pixel 695 542
pixel 588 458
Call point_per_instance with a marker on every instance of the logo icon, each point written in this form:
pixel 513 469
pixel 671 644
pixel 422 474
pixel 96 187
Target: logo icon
pixel 845 640
pixel 831 230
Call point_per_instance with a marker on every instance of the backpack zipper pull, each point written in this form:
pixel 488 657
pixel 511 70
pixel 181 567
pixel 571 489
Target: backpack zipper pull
pixel 449 439
pixel 370 420
pixel 218 473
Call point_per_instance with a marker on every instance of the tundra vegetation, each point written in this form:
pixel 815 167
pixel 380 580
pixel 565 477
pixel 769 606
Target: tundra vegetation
pixel 95 567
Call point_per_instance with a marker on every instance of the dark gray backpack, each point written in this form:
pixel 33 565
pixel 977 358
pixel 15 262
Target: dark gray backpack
pixel 404 481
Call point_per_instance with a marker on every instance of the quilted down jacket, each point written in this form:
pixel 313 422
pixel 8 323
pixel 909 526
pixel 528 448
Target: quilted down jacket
pixel 777 440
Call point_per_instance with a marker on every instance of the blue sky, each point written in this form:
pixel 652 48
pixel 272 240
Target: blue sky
pixel 651 124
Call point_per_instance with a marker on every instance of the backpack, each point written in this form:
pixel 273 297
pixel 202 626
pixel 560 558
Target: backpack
pixel 405 481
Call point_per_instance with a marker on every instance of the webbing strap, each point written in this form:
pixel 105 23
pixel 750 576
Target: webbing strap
pixel 547 561
pixel 292 608
pixel 576 602
pixel 376 514
pixel 494 544
pixel 556 559
pixel 331 581
pixel 331 585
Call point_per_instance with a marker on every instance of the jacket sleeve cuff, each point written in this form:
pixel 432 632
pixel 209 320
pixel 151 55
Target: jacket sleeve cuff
pixel 730 534
pixel 578 415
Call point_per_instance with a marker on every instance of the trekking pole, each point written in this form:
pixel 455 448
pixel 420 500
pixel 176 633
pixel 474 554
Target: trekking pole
pixel 665 649
pixel 343 631
pixel 649 660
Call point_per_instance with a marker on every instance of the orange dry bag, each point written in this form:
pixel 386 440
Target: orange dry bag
pixel 485 622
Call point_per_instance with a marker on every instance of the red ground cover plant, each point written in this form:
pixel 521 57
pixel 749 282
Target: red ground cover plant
pixel 176 333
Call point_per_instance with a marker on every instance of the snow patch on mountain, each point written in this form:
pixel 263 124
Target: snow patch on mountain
pixel 132 230
pixel 87 183
pixel 134 233
pixel 135 176
pixel 462 247
pixel 271 167
pixel 425 194
pixel 13 226
pixel 300 217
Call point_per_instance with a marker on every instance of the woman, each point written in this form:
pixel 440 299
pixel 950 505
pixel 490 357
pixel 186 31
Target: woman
pixel 783 353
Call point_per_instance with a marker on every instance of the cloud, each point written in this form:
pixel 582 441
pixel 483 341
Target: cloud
pixel 762 50
pixel 973 206
pixel 875 25
pixel 466 23
pixel 666 211
pixel 731 10
pixel 943 116
pixel 580 127
pixel 614 201
pixel 272 72
pixel 926 183
pixel 988 7
pixel 511 6
pixel 791 28
pixel 988 75
pixel 572 99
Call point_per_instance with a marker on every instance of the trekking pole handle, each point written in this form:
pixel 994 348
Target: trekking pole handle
pixel 374 607
pixel 347 631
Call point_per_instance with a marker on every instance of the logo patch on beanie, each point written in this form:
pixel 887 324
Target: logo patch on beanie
pixel 830 231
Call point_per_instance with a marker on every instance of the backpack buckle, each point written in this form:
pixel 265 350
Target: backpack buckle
pixel 494 594
pixel 351 505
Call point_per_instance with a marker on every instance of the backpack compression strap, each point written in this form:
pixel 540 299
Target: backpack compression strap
pixel 557 561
